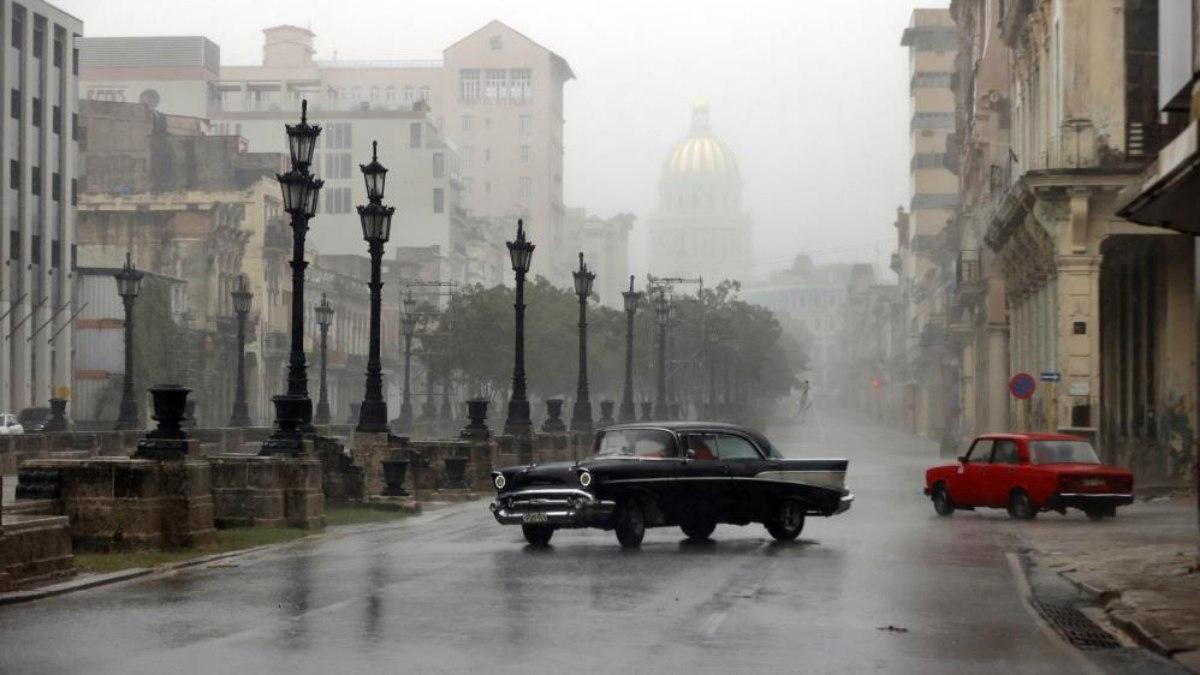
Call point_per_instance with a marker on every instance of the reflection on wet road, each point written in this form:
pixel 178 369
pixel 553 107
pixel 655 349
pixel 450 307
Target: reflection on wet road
pixel 451 591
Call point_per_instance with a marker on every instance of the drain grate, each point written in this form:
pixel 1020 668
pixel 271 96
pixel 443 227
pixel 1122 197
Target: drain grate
pixel 1074 627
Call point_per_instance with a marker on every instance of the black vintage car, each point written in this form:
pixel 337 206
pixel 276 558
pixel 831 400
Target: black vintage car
pixel 690 474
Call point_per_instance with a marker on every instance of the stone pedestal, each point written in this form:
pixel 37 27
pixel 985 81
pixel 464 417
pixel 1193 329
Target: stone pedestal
pixel 34 549
pixel 268 491
pixel 118 503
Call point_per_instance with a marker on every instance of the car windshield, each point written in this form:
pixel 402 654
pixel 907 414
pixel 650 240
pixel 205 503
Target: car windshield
pixel 635 443
pixel 1062 452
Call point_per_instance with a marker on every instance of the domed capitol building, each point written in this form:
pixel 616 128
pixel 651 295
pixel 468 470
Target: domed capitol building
pixel 700 228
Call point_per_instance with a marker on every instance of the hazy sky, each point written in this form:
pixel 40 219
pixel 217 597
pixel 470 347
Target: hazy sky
pixel 811 96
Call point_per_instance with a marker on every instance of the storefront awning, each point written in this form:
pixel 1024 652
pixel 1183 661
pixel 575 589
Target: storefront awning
pixel 1169 193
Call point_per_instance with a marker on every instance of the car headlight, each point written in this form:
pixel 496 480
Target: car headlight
pixel 499 481
pixel 585 478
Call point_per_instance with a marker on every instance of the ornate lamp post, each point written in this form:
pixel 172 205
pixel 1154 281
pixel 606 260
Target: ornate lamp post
pixel 581 417
pixel 408 323
pixel 377 227
pixel 241 307
pixel 293 410
pixel 129 284
pixel 324 313
pixel 628 412
pixel 662 313
pixel 521 253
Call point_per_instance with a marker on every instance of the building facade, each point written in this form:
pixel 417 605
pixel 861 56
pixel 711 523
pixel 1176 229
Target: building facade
pixel 700 228
pixel 38 65
pixel 933 362
pixel 169 74
pixel 604 243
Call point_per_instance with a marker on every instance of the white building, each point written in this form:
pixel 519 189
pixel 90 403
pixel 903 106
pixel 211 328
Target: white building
pixel 38 66
pixel 175 75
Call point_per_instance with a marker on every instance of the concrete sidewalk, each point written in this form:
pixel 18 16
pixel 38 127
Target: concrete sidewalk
pixel 1143 567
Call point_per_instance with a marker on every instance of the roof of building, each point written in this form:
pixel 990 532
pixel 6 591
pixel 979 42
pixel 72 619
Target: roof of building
pixel 700 153
pixel 570 74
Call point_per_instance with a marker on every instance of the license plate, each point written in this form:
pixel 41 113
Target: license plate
pixel 533 518
pixel 1094 482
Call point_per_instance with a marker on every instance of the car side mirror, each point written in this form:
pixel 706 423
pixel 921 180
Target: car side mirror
pixel 962 458
pixel 690 454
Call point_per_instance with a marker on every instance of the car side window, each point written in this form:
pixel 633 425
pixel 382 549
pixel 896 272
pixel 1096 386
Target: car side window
pixel 736 447
pixel 703 446
pixel 1005 453
pixel 981 451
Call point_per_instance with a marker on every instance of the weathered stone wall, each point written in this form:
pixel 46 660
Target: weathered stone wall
pixel 267 491
pixel 33 549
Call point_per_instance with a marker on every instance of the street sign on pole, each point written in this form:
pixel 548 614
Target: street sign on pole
pixel 1022 386
pixel 1051 376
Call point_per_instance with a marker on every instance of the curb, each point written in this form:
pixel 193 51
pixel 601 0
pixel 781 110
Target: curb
pixel 91 581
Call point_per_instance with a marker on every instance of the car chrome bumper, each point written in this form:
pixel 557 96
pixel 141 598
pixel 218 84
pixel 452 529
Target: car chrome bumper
pixel 1081 500
pixel 559 508
pixel 844 504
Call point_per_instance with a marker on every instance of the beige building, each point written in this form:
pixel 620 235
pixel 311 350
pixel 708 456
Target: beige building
pixel 605 244
pixel 933 364
pixel 1103 307
pixel 174 75
pixel 700 228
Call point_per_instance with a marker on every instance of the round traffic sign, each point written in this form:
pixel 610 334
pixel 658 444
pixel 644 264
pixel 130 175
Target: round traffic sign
pixel 1022 385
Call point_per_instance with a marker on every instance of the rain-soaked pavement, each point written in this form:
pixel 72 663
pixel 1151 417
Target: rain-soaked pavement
pixel 451 591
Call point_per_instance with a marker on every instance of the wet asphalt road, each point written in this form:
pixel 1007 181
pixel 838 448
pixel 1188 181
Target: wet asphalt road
pixel 451 591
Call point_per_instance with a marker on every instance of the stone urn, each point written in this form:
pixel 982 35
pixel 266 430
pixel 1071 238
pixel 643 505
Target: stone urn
pixel 554 423
pixel 455 475
pixel 395 470
pixel 168 441
pixel 606 414
pixel 58 415
pixel 477 412
pixel 647 411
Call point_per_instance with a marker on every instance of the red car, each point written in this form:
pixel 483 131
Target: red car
pixel 1028 473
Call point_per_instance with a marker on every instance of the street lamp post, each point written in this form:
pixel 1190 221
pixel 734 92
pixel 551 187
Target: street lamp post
pixel 581 417
pixel 241 307
pixel 324 313
pixel 408 323
pixel 662 313
pixel 129 284
pixel 376 226
pixel 300 190
pixel 520 251
pixel 628 412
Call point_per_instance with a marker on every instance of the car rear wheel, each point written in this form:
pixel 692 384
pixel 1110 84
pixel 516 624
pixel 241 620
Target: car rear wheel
pixel 1100 512
pixel 941 501
pixel 698 528
pixel 1020 506
pixel 629 523
pixel 538 535
pixel 787 522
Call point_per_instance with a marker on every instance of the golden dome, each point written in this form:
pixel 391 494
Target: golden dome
pixel 700 154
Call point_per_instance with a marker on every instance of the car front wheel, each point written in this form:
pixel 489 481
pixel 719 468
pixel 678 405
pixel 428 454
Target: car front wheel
pixel 698 528
pixel 788 520
pixel 1020 506
pixel 629 523
pixel 941 501
pixel 538 535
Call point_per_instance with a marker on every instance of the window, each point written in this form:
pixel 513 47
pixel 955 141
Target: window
pixel 1062 452
pixel 735 447
pixel 55 187
pixel 337 200
pixel 58 53
pixel 14 104
pixel 636 443
pixel 526 187
pixel 1005 453
pixel 74 192
pixel 14 174
pixel 493 85
pixel 520 87
pixel 35 185
pixel 439 165
pixel 525 125
pixel 487 155
pixel 39 42
pixel 466 122
pixel 981 452
pixel 56 120
pixel 496 42
pixel 74 126
pixel 35 249
pixel 338 136
pixel 36 109
pixel 524 155
pixel 414 135
pixel 18 27
pixel 702 447
pixel 467 182
pixel 55 254
pixel 439 200
pixel 468 156
pixel 409 95
pixel 468 86
pixel 75 61
pixel 338 165
pixel 14 245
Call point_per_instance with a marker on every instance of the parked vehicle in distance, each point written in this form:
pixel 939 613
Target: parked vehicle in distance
pixel 33 419
pixel 693 475
pixel 9 425
pixel 1027 474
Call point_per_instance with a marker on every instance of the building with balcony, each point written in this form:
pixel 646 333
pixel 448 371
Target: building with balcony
pixel 38 69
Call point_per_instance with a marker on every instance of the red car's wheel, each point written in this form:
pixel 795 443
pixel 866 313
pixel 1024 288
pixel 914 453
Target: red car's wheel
pixel 941 501
pixel 1020 506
